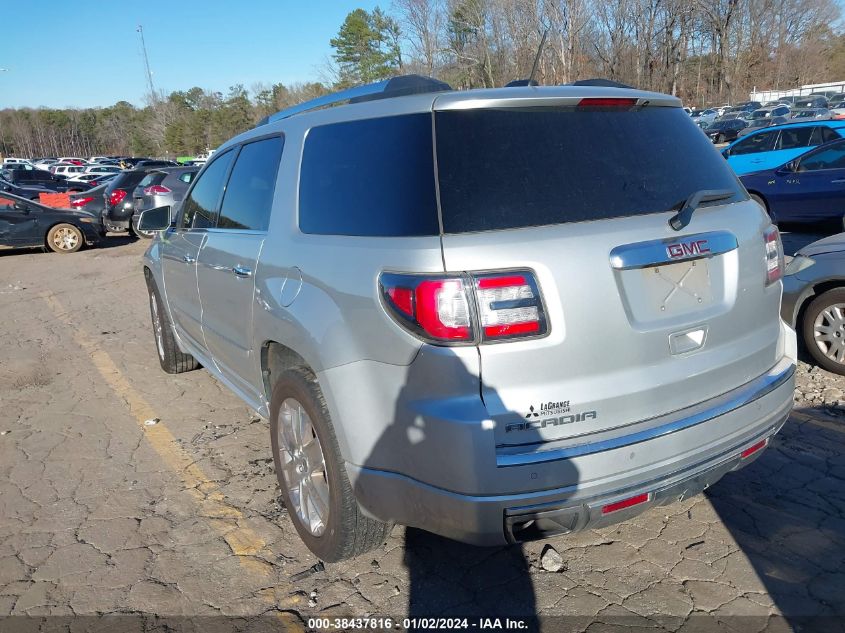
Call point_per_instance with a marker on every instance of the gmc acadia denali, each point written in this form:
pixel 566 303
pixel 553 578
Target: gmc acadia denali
pixel 497 315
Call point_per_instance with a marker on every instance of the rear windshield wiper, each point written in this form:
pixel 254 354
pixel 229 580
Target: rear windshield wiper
pixel 683 217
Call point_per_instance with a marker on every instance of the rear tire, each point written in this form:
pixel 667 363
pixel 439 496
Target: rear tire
pixel 342 531
pixel 825 318
pixel 171 358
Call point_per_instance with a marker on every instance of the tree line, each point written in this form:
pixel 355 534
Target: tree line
pixel 704 51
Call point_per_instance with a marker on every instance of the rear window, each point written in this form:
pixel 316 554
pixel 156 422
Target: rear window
pixel 514 167
pixel 151 179
pixel 373 177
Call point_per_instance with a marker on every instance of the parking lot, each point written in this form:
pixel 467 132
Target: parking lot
pixel 124 490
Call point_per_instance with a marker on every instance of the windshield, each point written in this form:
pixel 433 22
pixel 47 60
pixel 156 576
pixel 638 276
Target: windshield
pixel 518 167
pixel 760 114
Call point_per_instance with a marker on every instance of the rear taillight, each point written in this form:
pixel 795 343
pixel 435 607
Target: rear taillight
pixel 509 306
pixel 116 197
pixel 80 202
pixel 155 190
pixel 466 308
pixel 774 255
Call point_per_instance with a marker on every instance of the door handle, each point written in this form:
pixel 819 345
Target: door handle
pixel 242 271
pixel 188 259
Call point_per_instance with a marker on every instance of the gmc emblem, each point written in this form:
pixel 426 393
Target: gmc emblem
pixel 687 249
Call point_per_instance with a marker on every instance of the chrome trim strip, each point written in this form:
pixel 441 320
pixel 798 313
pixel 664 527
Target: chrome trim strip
pixel 726 403
pixel 657 252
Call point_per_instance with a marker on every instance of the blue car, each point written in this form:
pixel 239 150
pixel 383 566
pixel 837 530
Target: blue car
pixel 771 147
pixel 810 188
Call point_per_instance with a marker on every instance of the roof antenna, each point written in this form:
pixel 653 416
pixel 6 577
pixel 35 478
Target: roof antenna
pixel 537 58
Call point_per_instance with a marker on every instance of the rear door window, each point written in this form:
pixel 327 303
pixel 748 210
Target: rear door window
pixel 518 167
pixel 373 177
pixel 200 206
pixel 249 192
pixel 792 138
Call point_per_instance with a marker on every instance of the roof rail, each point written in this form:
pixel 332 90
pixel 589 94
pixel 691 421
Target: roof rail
pixel 398 86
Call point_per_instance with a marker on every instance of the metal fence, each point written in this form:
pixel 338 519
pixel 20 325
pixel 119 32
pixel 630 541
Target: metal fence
pixel 773 95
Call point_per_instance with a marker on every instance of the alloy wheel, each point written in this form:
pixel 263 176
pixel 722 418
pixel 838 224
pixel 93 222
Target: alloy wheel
pixel 829 332
pixel 303 466
pixel 65 239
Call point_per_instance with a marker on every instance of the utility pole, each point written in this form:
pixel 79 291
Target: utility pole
pixel 150 85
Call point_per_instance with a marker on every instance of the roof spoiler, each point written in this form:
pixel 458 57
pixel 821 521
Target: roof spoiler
pixel 604 83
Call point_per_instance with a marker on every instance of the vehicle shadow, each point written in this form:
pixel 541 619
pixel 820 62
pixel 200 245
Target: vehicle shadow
pixel 448 578
pixel 786 511
pixel 110 241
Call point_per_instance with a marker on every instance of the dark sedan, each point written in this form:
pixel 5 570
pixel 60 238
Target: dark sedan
pixel 42 179
pixel 814 300
pixel 724 131
pixel 24 223
pixel 810 188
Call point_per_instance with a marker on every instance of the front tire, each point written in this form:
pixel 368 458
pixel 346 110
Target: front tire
pixel 170 357
pixel 311 474
pixel 823 330
pixel 64 238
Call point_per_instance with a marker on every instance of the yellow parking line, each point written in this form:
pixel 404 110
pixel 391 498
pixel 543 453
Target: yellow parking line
pixel 244 543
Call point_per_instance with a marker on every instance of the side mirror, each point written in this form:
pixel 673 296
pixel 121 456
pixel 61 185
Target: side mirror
pixel 157 219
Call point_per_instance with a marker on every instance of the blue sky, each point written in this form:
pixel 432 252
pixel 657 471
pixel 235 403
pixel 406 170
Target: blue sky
pixel 83 54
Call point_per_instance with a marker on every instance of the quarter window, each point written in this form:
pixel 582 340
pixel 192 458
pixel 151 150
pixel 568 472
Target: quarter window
pixel 249 194
pixel 792 138
pixel 822 135
pixel 373 177
pixel 201 204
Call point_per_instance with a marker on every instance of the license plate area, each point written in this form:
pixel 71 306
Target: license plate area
pixel 672 295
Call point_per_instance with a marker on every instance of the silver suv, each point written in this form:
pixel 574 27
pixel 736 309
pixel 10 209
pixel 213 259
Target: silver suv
pixel 497 315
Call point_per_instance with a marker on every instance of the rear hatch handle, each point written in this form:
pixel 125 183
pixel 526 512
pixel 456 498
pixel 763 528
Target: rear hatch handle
pixel 683 217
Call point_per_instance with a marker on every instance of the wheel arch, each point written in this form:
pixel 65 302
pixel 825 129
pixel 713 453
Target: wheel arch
pixel 277 358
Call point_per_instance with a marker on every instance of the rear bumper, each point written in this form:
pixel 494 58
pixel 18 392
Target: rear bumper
pixel 689 457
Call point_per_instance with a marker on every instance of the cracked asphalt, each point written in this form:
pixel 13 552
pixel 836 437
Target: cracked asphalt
pixel 124 490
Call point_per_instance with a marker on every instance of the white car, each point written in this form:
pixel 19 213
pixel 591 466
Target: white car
pixel 90 177
pixel 97 159
pixel 11 160
pixel 73 159
pixel 102 169
pixel 45 163
pixel 67 171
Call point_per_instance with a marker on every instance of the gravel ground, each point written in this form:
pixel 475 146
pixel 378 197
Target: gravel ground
pixel 127 491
